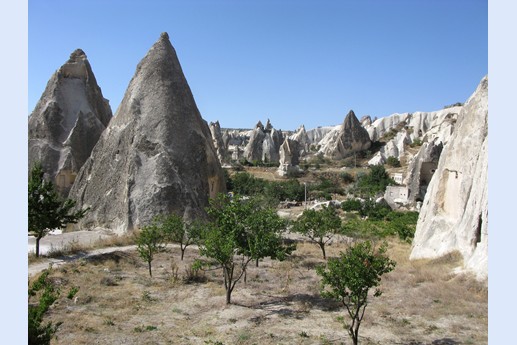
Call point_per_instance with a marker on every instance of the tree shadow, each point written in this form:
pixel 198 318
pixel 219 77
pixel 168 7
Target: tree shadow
pixel 443 341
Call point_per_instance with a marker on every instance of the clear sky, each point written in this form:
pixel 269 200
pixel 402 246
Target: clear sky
pixel 295 62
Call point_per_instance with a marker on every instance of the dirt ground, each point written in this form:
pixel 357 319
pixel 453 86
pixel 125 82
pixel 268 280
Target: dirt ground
pixel 118 303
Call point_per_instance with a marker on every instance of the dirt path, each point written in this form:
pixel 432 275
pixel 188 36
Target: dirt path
pixel 41 265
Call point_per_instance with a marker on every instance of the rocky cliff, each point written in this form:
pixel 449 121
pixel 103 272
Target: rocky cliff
pixel 454 214
pixel 156 155
pixel 67 121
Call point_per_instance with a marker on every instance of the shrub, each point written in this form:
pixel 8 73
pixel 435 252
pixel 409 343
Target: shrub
pixel 351 205
pixel 347 177
pixel 393 162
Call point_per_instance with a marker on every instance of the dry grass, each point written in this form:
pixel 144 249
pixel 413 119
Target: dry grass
pixel 118 303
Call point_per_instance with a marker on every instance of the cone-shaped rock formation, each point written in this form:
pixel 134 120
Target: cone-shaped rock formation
pixel 67 121
pixel 156 156
pixel 349 138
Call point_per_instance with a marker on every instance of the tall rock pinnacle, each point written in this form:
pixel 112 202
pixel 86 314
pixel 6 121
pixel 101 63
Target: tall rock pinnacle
pixel 350 137
pixel 67 121
pixel 156 156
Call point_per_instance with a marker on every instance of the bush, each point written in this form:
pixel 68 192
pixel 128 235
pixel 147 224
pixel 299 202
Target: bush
pixel 393 162
pixel 347 177
pixel 416 142
pixel 351 205
pixel 374 182
pixel 39 333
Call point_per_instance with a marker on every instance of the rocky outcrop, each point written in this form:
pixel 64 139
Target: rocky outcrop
pixel 156 156
pixel 421 169
pixel 289 157
pixel 454 214
pixel 68 120
pixel 264 144
pixel 303 140
pixel 349 138
pixel 217 139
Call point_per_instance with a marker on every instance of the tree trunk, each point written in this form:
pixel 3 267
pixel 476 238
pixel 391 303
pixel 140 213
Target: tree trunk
pixel 322 246
pixel 228 295
pixel 182 253
pixel 37 246
pixel 150 273
pixel 256 263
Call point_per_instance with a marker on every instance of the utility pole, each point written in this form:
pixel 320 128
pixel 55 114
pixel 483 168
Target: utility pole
pixel 305 184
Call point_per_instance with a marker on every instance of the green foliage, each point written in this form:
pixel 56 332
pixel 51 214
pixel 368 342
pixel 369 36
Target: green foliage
pixel 175 230
pixel 47 210
pixel 241 231
pixel 150 241
pixel 246 184
pixel 374 210
pixel 351 205
pixel 39 333
pixel 319 226
pixel 416 142
pixel 73 291
pixel 401 224
pixel 350 277
pixel 374 182
pixel 347 177
pixel 393 162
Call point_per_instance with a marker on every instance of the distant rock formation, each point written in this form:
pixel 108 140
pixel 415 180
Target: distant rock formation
pixel 264 144
pixel 67 121
pixel 217 138
pixel 349 138
pixel 366 120
pixel 303 140
pixel 156 156
pixel 454 214
pixel 289 157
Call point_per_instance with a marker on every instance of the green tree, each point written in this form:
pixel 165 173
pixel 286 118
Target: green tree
pixel 319 226
pixel 150 241
pixel 47 210
pixel 350 277
pixel 177 231
pixel 374 182
pixel 241 231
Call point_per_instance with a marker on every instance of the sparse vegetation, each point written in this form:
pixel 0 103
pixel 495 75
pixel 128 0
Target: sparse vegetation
pixel 40 333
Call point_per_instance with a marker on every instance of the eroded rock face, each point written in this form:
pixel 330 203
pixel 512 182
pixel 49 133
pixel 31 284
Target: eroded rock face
pixel 264 144
pixel 303 140
pixel 289 157
pixel 454 214
pixel 156 156
pixel 349 138
pixel 219 142
pixel 68 120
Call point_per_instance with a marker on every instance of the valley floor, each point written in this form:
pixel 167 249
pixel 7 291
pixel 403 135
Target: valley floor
pixel 118 303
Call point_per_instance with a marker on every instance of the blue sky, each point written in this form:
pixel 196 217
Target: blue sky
pixel 295 62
